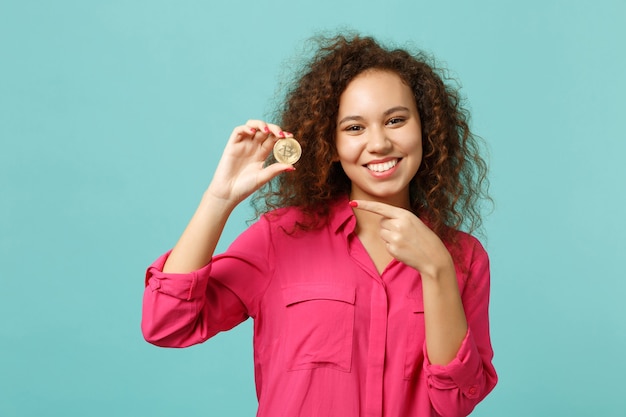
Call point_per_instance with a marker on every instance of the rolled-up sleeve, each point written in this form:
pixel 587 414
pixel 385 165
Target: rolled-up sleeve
pixel 181 310
pixel 456 388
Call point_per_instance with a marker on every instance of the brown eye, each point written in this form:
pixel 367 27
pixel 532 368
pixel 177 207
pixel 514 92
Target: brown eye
pixel 395 120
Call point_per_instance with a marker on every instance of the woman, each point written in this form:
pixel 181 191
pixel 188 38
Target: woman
pixel 366 298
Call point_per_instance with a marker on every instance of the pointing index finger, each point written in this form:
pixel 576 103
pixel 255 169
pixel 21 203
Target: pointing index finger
pixel 377 207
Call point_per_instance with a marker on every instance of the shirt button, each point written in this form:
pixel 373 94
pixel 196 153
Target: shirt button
pixel 472 390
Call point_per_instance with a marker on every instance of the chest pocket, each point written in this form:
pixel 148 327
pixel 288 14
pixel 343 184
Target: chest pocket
pixel 414 359
pixel 320 326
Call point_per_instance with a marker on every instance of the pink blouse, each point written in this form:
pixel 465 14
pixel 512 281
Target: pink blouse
pixel 332 336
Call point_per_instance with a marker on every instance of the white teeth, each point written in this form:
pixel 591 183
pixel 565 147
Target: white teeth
pixel 382 167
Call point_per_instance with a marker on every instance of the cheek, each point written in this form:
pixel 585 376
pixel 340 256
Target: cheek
pixel 419 151
pixel 418 154
pixel 414 146
pixel 347 150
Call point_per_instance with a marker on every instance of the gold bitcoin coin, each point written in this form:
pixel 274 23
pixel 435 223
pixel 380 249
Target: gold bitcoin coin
pixel 287 151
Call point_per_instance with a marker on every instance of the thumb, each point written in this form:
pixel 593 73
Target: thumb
pixel 274 170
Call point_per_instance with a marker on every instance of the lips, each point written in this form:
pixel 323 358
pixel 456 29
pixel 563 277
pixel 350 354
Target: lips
pixel 382 166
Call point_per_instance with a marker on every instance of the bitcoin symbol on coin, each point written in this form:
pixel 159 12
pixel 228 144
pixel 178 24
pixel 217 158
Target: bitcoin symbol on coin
pixel 287 151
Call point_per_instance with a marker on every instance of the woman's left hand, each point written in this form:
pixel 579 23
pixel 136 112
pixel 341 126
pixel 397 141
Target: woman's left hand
pixel 408 239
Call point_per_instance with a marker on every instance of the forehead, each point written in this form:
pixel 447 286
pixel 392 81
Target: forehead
pixel 376 90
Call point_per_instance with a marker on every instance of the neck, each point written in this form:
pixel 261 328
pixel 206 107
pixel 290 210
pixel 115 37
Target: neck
pixel 402 200
pixel 370 222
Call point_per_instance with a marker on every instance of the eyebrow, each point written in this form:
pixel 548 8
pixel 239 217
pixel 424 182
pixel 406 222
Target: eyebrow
pixel 386 113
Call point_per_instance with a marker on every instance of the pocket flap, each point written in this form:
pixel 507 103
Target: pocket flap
pixel 416 302
pixel 306 292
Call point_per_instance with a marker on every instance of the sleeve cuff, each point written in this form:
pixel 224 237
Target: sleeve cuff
pixel 182 286
pixel 464 371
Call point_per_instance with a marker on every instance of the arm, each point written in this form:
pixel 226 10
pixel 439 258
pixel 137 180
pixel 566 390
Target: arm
pixel 182 304
pixel 458 349
pixel 181 310
pixel 410 241
pixel 239 173
pixel 444 317
pixel 456 388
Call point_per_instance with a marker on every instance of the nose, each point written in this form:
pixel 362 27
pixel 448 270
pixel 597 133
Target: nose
pixel 378 142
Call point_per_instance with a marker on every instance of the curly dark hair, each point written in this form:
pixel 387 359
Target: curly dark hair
pixel 451 182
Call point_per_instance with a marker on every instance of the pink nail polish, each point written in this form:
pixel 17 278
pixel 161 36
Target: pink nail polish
pixel 290 169
pixel 353 203
pixel 253 130
pixel 281 134
pixel 266 129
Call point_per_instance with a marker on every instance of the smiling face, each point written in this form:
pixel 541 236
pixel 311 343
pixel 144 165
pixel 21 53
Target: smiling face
pixel 379 140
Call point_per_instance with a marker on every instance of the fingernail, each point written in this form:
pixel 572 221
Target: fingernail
pixel 353 203
pixel 290 169
pixel 281 134
pixel 266 129
pixel 253 130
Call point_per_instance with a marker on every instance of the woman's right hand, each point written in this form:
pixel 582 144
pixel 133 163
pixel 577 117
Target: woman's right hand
pixel 241 170
pixel 239 173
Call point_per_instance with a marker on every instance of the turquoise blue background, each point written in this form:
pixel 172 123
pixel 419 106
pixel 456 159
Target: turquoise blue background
pixel 113 115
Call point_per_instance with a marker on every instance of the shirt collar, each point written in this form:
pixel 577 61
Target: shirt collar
pixel 341 215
